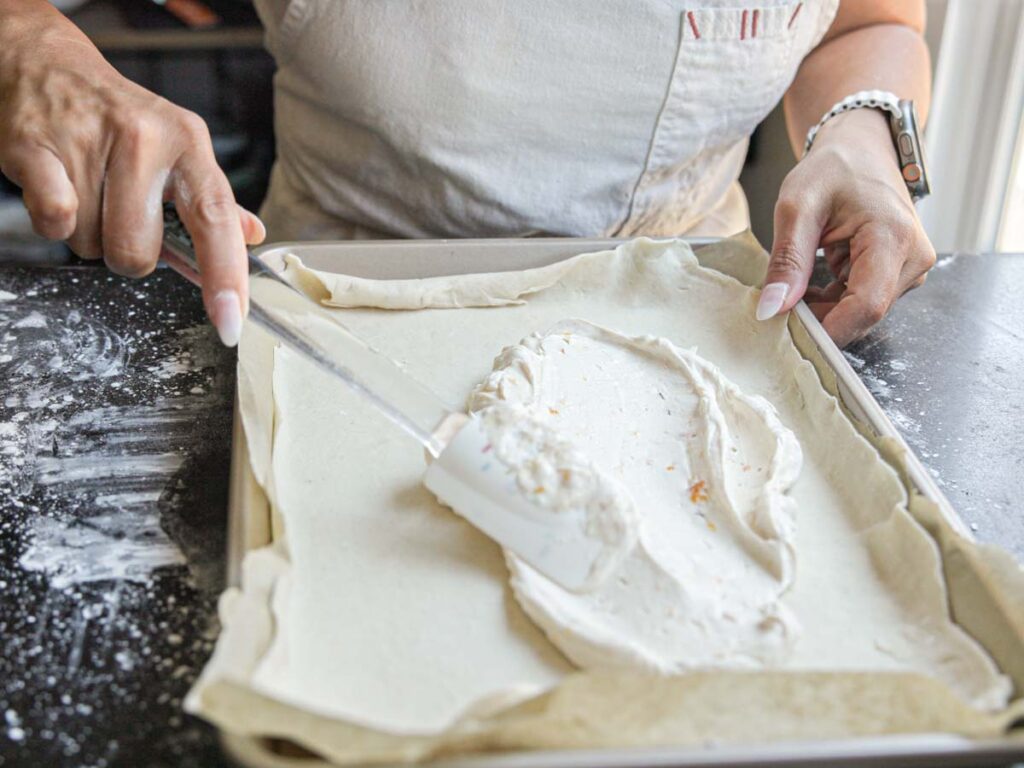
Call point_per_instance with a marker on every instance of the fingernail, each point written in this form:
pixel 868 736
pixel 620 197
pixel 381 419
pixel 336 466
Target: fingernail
pixel 262 227
pixel 227 317
pixel 773 296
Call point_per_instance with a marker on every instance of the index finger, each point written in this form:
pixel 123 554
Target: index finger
pixel 206 205
pixel 871 290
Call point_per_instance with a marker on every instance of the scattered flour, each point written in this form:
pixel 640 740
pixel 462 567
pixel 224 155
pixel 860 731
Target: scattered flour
pixel 857 362
pixel 78 551
pixel 878 387
pixel 93 486
pixel 32 320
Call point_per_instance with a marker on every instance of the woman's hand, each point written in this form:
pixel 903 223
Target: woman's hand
pixel 846 196
pixel 97 155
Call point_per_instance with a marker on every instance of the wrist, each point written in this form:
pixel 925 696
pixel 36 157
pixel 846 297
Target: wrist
pixel 858 145
pixel 863 127
pixel 36 38
pixel 22 27
pixel 11 9
pixel 20 18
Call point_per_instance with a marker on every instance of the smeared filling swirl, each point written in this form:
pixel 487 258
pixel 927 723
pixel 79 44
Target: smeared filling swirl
pixel 707 468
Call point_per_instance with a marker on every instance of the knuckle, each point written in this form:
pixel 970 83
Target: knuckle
pixel 51 229
pixel 128 259
pixel 50 212
pixel 874 310
pixel 215 208
pixel 787 207
pixel 786 258
pixel 927 256
pixel 139 128
pixel 193 127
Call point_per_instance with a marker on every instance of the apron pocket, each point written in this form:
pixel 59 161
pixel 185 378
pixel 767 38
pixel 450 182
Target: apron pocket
pixel 732 67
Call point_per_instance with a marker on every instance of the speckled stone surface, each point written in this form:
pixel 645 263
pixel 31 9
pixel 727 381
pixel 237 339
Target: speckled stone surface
pixel 115 421
pixel 115 424
pixel 947 365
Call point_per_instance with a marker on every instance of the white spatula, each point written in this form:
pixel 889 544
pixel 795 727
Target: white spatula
pixel 572 531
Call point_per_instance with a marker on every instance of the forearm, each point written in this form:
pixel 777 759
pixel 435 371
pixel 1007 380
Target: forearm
pixel 21 18
pixel 888 57
pixel 30 30
pixel 10 10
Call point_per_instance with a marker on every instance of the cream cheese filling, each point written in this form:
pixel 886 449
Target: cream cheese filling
pixel 707 467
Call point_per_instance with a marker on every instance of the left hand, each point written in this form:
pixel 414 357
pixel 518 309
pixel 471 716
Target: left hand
pixel 847 197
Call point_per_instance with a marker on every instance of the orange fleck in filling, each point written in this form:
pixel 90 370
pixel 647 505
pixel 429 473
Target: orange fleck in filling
pixel 698 492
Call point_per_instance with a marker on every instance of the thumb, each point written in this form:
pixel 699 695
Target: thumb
pixel 797 233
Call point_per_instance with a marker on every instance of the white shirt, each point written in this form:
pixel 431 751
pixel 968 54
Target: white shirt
pixel 461 118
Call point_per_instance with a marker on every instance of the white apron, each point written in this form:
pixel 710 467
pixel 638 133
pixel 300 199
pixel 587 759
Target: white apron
pixel 471 118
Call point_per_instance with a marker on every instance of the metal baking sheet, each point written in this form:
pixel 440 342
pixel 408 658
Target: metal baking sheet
pixel 249 522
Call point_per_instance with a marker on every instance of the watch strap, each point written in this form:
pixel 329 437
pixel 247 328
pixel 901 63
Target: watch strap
pixel 884 100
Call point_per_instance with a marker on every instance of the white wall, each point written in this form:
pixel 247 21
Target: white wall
pixel 975 123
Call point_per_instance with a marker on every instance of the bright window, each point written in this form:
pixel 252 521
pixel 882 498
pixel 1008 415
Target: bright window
pixel 1011 231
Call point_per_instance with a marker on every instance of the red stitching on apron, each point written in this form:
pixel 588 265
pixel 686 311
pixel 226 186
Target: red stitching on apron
pixel 693 24
pixel 795 14
pixel 753 29
pixel 743 25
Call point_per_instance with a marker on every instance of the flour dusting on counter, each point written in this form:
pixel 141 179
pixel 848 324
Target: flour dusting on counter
pixel 74 553
pixel 109 482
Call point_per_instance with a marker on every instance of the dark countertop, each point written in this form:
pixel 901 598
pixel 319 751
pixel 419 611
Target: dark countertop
pixel 115 430
pixel 947 365
pixel 115 423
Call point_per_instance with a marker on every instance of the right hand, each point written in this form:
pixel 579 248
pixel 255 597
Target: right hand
pixel 96 156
